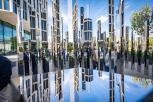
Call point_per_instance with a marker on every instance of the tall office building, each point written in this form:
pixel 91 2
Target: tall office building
pixel 121 11
pixel 111 45
pixel 122 46
pixel 58 85
pixel 56 25
pixel 81 21
pixel 99 30
pixel 111 22
pixel 127 36
pixel 75 23
pixel 21 21
pixel 23 24
pixel 67 39
pixel 101 37
pixel 87 30
pixel 36 88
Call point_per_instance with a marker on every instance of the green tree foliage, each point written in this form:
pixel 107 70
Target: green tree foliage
pixel 70 47
pixel 139 18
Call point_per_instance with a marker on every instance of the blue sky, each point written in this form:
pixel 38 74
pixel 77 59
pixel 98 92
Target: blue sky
pixel 99 11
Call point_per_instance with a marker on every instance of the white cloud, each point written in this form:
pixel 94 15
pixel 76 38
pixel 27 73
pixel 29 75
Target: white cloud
pixel 65 19
pixel 103 18
pixel 104 23
pixel 127 5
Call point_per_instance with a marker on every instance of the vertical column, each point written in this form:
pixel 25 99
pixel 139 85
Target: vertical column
pixel 122 48
pixel 111 47
pixel 147 47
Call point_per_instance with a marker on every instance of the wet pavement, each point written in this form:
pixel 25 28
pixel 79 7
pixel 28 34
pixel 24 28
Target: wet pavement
pixel 84 85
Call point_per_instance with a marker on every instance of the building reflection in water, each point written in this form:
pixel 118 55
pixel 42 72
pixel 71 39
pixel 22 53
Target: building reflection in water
pixel 87 73
pixel 111 86
pixel 58 85
pixel 83 79
pixel 36 88
pixel 75 96
pixel 87 76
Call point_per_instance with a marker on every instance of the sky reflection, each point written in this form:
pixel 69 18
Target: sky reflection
pixel 94 87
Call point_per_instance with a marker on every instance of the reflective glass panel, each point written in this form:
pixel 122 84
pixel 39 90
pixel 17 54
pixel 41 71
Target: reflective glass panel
pixel 6 5
pixel 8 39
pixel 14 41
pixel 27 36
pixel 0 4
pixel 14 8
pixel 1 40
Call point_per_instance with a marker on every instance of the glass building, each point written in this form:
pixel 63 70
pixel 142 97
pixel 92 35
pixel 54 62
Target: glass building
pixel 87 31
pixel 8 40
pixel 56 24
pixel 75 23
pixel 26 21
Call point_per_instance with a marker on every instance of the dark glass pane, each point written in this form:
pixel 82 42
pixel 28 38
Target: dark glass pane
pixel 1 40
pixel 85 35
pixel 8 39
pixel 89 25
pixel 14 41
pixel 43 25
pixel 14 8
pixel 33 34
pixel 6 5
pixel 44 36
pixel 85 26
pixel 32 22
pixel 0 4
pixel 18 1
pixel 25 10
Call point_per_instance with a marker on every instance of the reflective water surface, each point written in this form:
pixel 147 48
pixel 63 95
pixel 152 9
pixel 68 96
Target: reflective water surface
pixel 93 86
pixel 85 85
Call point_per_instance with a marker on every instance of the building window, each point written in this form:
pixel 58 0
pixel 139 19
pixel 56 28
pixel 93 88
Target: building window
pixel 33 34
pixel 1 40
pixel 7 38
pixel 44 36
pixel 90 35
pixel 101 36
pixel 0 4
pixel 8 41
pixel 14 41
pixel 38 20
pixel 14 7
pixel 43 15
pixel 89 25
pixel 25 10
pixel 32 22
pixel 43 25
pixel 27 36
pixel 18 2
pixel 37 6
pixel 85 26
pixel 29 1
pixel 86 36
pixel 6 5
pixel 34 4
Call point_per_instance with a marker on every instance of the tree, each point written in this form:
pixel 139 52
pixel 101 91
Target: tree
pixel 70 47
pixel 139 18
pixel 13 43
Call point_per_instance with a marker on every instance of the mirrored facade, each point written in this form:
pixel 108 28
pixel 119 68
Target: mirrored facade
pixel 8 40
